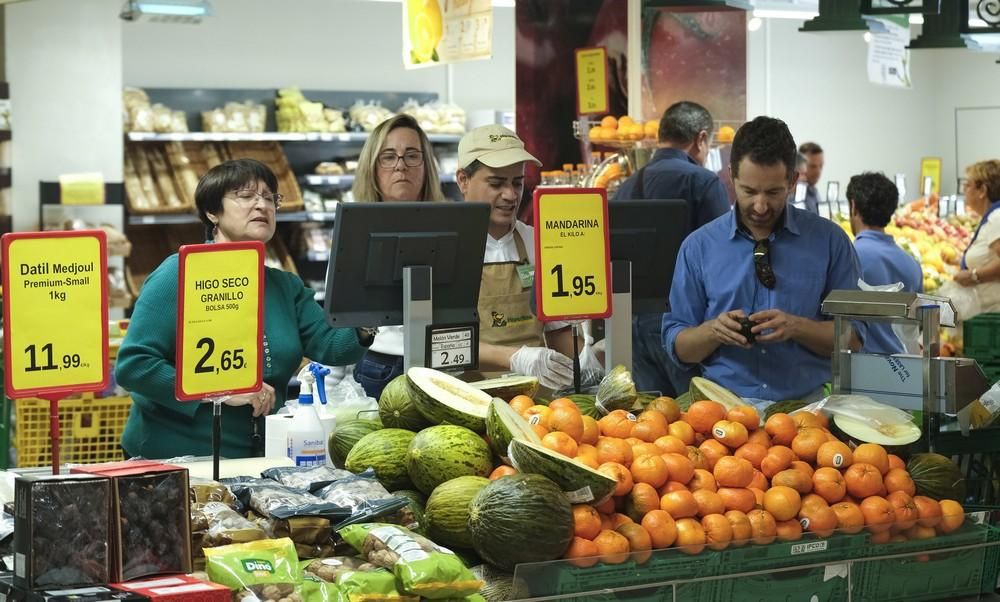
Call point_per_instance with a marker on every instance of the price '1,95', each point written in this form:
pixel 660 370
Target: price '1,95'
pixel 582 286
pixel 47 356
pixel 229 359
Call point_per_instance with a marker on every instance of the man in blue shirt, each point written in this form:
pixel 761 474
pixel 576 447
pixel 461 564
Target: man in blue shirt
pixel 873 199
pixel 767 262
pixel 675 172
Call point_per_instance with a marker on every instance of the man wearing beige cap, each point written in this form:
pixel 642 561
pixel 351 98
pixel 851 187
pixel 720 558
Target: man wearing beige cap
pixel 491 162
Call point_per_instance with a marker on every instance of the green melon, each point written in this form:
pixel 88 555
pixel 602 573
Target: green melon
pixel 443 399
pixel 346 435
pixel 702 389
pixel 396 407
pixel 937 477
pixel 384 451
pixel 508 387
pixel 503 424
pixel 447 511
pixel 616 391
pixel 442 453
pixel 587 405
pixel 417 503
pixel 520 518
pixel 582 484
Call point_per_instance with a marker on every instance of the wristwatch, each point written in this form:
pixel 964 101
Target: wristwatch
pixel 975 275
pixel 366 335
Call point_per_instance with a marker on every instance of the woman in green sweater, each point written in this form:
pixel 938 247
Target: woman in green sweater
pixel 237 201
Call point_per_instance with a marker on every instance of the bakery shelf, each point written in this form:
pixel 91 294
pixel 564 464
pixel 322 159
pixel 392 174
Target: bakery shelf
pixel 330 180
pixel 359 137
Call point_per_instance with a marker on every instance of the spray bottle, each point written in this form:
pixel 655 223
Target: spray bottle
pixel 326 416
pixel 306 437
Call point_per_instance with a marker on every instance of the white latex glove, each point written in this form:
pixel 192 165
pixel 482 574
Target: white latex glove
pixel 553 369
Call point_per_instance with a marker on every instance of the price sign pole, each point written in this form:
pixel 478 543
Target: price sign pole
pixel 572 258
pixel 220 334
pixel 55 317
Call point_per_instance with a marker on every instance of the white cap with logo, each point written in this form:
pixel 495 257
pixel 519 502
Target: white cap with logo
pixel 493 145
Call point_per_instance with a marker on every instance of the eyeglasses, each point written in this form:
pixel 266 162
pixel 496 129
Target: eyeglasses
pixel 762 263
pixel 411 158
pixel 247 198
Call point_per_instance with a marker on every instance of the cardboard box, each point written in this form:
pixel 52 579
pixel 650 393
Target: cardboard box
pixel 62 531
pixel 151 511
pixel 9 593
pixel 179 588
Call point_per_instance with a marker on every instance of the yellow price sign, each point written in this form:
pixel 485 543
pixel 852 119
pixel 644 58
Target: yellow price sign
pixel 220 316
pixel 592 81
pixel 55 313
pixel 572 253
pixel 930 175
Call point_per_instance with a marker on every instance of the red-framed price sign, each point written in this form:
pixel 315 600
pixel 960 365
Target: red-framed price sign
pixel 220 317
pixel 572 254
pixel 55 313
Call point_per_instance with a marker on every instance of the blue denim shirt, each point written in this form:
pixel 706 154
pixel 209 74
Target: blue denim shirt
pixel 883 262
pixel 810 256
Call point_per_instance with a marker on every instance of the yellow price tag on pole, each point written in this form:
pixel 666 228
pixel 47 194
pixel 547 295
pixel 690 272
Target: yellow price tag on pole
pixel 220 316
pixel 592 81
pixel 55 313
pixel 572 254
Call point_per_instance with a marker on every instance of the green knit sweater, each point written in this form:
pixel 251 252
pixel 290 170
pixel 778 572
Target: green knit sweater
pixel 158 425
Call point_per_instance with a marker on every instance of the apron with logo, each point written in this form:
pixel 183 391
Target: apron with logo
pixel 505 291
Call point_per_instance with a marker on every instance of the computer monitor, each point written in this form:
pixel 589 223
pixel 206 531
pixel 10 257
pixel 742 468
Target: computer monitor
pixel 649 234
pixel 373 242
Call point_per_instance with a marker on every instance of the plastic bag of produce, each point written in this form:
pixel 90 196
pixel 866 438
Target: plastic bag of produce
pixel 314 589
pixel 223 525
pixel 267 569
pixel 422 567
pixel 367 499
pixel 305 478
pixel 273 500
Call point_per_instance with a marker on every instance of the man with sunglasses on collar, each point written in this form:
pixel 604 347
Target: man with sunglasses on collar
pixel 747 289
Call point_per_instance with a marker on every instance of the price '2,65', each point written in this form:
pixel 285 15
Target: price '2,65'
pixel 228 359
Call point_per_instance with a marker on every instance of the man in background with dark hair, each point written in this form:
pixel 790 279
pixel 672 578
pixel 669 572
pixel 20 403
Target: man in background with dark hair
pixel 873 199
pixel 810 171
pixel 676 171
pixel 747 289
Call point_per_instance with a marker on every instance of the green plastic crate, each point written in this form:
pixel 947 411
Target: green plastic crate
pixel 829 583
pixel 928 574
pixel 808 550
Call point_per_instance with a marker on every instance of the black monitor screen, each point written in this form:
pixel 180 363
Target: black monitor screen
pixel 373 242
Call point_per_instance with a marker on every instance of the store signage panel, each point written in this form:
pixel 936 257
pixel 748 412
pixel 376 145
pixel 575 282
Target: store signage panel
pixel 55 289
pixel 81 189
pixel 437 32
pixel 220 314
pixel 572 253
pixel 592 81
pixel 930 167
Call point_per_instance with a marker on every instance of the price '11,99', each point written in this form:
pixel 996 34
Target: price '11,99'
pixel 45 354
pixel 583 286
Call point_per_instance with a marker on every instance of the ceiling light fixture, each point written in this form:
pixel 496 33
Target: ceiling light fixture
pixel 166 11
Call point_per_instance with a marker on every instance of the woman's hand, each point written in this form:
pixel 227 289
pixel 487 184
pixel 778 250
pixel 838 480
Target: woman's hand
pixel 262 401
pixel 965 278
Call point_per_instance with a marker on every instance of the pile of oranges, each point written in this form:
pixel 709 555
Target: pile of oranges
pixel 712 478
pixel 623 128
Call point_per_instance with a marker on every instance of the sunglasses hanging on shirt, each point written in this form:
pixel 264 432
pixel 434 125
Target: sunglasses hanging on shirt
pixel 762 263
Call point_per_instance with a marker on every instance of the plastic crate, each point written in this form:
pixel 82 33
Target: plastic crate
pixel 928 574
pixel 808 550
pixel 829 583
pixel 981 338
pixel 90 428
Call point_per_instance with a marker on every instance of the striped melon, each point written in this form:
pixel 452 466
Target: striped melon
pixel 346 435
pixel 385 452
pixel 443 399
pixel 442 453
pixel 503 424
pixel 508 387
pixel 447 511
pixel 582 484
pixel 396 407
pixel 702 389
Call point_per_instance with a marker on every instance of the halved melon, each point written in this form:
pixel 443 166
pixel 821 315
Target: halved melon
pixel 444 399
pixel 702 388
pixel 582 484
pixel 503 425
pixel 887 435
pixel 508 387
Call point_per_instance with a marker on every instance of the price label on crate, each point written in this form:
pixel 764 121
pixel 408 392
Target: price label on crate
pixel 220 316
pixel 55 312
pixel 572 254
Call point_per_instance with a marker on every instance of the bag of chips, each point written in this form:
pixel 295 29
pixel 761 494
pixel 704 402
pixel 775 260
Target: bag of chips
pixel 422 567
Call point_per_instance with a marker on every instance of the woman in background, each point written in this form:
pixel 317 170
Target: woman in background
pixel 981 261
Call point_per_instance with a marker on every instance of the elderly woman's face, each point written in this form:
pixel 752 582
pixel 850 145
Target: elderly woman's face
pixel 399 166
pixel 247 214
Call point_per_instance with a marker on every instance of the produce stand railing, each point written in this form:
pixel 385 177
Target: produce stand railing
pixel 841 567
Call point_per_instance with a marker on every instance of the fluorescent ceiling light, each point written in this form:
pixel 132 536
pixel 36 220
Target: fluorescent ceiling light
pixel 184 11
pixel 754 23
